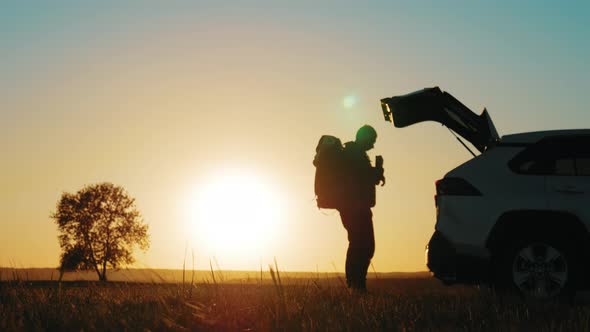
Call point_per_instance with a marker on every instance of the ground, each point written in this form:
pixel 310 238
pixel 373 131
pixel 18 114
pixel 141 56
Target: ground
pixel 280 303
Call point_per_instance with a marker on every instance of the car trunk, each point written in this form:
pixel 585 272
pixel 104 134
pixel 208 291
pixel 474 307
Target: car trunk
pixel 432 104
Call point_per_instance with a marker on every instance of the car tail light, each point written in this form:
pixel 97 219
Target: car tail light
pixel 455 187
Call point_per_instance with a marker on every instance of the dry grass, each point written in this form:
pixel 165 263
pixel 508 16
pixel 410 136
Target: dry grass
pixel 405 304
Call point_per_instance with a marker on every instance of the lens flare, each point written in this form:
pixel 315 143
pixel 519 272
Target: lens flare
pixel 349 101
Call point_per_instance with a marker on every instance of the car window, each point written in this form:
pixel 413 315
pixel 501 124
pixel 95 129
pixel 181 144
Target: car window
pixel 579 146
pixel 536 167
pixel 562 156
pixel 537 159
pixel 583 166
pixel 564 167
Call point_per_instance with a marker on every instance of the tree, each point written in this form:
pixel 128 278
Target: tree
pixel 99 226
pixel 73 259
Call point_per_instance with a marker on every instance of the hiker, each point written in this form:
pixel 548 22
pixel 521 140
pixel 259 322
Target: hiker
pixel 359 198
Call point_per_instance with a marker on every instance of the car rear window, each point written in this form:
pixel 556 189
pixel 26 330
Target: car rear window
pixel 565 167
pixel 583 166
pixel 559 155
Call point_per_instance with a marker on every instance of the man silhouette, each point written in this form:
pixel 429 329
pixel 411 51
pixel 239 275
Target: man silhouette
pixel 356 214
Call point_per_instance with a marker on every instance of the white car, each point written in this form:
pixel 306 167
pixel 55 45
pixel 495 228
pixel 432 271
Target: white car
pixel 518 214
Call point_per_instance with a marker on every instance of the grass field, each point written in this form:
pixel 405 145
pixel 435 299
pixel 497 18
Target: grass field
pixel 276 303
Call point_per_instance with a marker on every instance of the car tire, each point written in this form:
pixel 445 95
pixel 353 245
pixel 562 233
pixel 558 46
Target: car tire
pixel 539 269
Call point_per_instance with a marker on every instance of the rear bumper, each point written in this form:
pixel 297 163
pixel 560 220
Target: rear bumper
pixel 451 267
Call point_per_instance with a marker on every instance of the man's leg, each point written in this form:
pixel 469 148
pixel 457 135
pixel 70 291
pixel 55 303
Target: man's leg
pixel 361 245
pixel 368 245
pixel 347 218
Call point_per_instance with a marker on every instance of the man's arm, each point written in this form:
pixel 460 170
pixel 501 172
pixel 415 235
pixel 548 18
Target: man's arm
pixel 378 175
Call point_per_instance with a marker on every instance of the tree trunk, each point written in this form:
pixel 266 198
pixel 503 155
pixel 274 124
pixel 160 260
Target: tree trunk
pixel 104 270
pixel 97 271
pixel 103 276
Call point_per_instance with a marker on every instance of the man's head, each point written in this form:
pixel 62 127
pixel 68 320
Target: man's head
pixel 366 137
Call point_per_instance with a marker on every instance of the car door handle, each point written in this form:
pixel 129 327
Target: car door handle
pixel 572 190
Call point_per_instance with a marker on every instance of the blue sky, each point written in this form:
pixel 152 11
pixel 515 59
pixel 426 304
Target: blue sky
pixel 510 48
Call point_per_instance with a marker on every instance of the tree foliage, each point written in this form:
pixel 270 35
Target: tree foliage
pixel 99 226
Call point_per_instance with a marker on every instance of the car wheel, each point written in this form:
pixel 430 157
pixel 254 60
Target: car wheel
pixel 539 270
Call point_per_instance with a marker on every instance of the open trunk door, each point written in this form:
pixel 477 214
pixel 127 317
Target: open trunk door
pixel 432 104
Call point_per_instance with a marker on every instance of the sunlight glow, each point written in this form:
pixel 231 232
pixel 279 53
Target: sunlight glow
pixel 349 101
pixel 235 213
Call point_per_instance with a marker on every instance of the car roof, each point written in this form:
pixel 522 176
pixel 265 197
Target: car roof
pixel 534 136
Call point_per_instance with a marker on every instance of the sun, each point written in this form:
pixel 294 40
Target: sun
pixel 235 213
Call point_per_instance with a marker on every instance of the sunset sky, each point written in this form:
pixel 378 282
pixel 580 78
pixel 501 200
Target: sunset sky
pixel 178 101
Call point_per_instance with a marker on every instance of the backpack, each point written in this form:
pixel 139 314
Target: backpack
pixel 330 173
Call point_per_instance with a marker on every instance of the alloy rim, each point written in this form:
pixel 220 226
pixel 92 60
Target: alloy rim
pixel 540 271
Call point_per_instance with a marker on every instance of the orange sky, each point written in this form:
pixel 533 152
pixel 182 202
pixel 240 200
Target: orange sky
pixel 164 101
